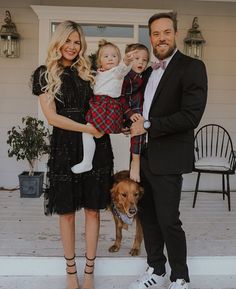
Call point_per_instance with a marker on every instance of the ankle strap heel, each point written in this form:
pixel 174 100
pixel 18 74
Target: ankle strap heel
pixel 89 265
pixel 70 265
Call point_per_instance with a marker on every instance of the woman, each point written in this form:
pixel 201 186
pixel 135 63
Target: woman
pixel 63 86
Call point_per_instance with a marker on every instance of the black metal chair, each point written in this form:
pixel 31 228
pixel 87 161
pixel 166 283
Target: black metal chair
pixel 214 154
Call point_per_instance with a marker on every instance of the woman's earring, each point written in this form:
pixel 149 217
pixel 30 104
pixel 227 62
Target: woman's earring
pixel 57 54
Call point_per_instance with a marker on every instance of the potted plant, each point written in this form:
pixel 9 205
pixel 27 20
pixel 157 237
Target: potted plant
pixel 29 142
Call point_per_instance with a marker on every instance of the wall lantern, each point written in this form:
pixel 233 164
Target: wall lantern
pixel 193 43
pixel 9 39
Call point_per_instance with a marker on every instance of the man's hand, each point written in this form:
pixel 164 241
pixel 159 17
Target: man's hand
pixel 137 127
pixel 135 117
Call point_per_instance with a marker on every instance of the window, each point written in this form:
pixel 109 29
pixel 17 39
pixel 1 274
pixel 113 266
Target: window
pixel 104 30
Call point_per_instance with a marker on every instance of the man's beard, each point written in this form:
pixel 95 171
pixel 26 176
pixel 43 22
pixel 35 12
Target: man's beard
pixel 168 53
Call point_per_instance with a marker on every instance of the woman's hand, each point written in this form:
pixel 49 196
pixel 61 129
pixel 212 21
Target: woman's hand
pixel 96 133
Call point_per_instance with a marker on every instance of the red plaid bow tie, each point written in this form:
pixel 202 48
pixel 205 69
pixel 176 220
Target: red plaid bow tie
pixel 161 63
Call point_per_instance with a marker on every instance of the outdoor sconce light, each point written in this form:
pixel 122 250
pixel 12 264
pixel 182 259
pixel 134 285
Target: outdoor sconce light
pixel 9 39
pixel 193 43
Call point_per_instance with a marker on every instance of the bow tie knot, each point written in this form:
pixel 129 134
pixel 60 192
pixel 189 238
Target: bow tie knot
pixel 160 64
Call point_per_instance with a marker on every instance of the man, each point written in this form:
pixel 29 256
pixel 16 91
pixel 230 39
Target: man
pixel 174 101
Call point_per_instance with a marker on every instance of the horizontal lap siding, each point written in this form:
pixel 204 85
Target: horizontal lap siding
pixel 16 99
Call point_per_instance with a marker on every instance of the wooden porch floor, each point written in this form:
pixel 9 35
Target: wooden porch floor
pixel 25 231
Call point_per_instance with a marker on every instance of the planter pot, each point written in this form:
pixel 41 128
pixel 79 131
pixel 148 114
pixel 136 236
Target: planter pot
pixel 31 186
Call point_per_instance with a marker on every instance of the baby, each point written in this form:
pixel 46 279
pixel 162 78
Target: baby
pixel 106 108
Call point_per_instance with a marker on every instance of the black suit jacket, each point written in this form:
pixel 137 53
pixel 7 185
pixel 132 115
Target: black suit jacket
pixel 175 112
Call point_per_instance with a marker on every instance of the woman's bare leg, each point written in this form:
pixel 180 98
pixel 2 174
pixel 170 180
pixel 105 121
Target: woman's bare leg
pixel 67 231
pixel 92 225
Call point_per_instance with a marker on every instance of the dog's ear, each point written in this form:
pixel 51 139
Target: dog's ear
pixel 141 191
pixel 114 191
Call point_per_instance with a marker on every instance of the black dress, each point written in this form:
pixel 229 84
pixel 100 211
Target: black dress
pixel 67 191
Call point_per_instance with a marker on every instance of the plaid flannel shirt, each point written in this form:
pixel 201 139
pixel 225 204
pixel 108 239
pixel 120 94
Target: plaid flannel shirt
pixel 132 102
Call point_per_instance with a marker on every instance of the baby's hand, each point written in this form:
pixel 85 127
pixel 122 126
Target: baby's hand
pixel 129 57
pixel 125 131
pixel 135 117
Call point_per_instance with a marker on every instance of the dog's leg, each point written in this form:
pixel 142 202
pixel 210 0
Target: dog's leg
pixel 116 246
pixel 135 251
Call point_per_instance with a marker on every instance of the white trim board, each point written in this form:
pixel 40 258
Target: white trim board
pixel 106 266
pixel 89 15
pixel 95 14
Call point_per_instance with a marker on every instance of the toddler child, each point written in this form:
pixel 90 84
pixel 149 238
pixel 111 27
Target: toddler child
pixel 132 90
pixel 106 108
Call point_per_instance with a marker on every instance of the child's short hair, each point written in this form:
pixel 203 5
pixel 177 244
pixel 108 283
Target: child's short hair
pixel 103 43
pixel 136 46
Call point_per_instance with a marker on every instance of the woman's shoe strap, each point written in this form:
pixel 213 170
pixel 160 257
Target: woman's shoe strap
pixel 70 265
pixel 71 273
pixel 90 259
pixel 69 259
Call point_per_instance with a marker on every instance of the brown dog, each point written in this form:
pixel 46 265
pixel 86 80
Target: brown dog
pixel 125 194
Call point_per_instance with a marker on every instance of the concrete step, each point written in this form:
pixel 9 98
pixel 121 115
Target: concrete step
pixel 111 282
pixel 110 273
pixel 106 266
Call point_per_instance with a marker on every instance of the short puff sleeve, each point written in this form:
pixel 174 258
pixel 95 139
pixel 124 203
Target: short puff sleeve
pixel 38 80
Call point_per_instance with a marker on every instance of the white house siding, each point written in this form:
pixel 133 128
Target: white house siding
pixel 217 22
pixel 15 95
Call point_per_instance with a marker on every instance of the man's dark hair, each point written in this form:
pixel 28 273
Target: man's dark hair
pixel 171 15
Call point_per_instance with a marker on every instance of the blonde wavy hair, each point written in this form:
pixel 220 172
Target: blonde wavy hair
pixel 101 44
pixel 54 58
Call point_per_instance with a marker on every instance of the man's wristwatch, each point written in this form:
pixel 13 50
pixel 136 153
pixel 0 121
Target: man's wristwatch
pixel 146 124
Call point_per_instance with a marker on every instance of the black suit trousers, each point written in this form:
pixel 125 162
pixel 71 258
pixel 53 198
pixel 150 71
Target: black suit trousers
pixel 159 215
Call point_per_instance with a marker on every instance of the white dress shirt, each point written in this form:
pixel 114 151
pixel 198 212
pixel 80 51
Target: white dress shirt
pixel 152 85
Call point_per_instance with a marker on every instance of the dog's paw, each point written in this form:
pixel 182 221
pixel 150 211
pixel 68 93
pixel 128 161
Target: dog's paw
pixel 114 248
pixel 134 252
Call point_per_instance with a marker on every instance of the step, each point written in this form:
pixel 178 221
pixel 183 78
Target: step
pixel 107 266
pixel 111 282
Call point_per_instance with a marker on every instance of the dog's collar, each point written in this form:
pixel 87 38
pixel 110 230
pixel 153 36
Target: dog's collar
pixel 122 216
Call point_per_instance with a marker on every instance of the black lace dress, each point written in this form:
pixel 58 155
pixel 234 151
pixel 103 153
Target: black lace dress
pixel 67 191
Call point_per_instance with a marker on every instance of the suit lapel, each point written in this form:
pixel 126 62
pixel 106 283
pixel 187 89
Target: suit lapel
pixel 146 74
pixel 168 71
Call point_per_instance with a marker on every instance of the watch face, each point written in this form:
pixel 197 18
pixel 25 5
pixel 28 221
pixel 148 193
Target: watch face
pixel 146 124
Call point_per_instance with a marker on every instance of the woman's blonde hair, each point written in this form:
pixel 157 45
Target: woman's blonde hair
pixel 103 43
pixel 54 58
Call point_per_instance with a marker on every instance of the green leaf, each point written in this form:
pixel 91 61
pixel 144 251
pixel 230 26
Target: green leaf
pixel 30 142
